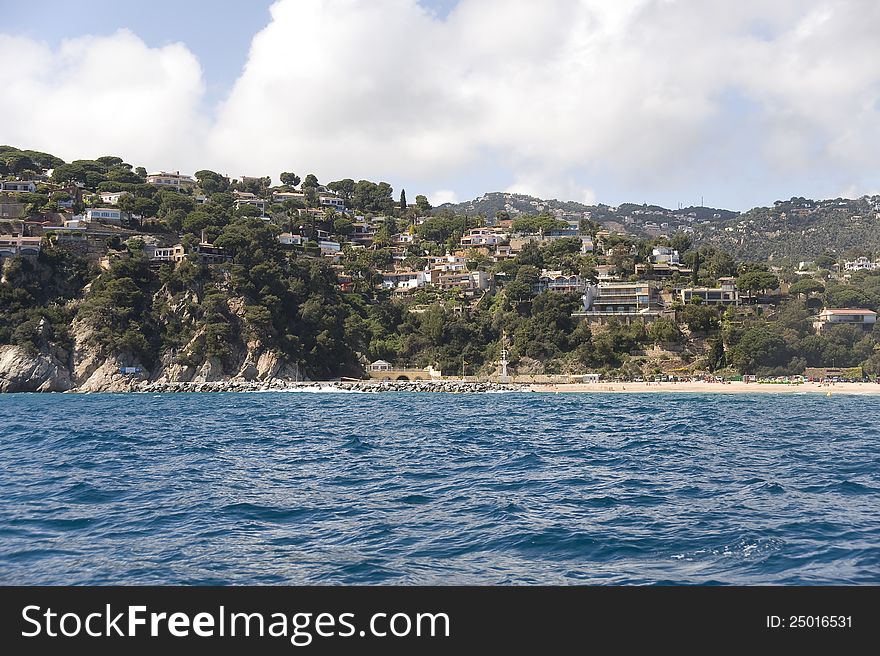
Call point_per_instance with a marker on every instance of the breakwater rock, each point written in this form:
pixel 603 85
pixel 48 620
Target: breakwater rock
pixel 366 386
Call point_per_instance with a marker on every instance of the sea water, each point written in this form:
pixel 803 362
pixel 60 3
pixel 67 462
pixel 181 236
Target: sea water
pixel 408 488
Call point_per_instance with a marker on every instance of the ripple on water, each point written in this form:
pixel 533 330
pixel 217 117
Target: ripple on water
pixel 366 489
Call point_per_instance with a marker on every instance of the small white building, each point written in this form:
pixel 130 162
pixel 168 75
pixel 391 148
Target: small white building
pixel 482 237
pixel 170 180
pixel 104 215
pixel 111 197
pixel 403 279
pixel 857 317
pixel 861 264
pixel 332 201
pixel 25 186
pixel 290 239
pixel 246 198
pixel 16 245
pixel 380 365
pixel 665 254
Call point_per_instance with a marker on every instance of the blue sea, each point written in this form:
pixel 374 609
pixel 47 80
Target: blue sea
pixel 408 488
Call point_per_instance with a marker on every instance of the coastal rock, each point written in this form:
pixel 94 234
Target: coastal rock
pixel 24 371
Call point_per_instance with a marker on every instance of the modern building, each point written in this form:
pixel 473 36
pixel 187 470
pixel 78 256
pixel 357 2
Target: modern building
pixel 104 215
pixel 18 186
pixel 111 197
pixel 174 253
pixel 466 281
pixel 170 180
pixel 18 246
pixel 403 279
pixel 625 301
pixel 725 294
pixel 281 196
pixel 447 263
pixel 833 317
pixel 209 254
pixel 332 201
pixel 246 198
pixel 665 254
pixel 861 264
pixel 329 248
pixel 290 239
pixel 482 237
pixel 556 281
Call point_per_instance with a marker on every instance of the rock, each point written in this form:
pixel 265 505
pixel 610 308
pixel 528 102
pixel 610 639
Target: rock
pixel 22 371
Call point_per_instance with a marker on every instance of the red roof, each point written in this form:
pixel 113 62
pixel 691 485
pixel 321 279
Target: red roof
pixel 847 311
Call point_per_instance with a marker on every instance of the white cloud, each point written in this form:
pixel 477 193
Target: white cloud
pixel 95 96
pixel 442 196
pixel 567 97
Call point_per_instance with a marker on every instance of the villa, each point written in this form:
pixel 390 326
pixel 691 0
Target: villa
pixel 172 180
pixel 725 294
pixel 18 186
pixel 855 317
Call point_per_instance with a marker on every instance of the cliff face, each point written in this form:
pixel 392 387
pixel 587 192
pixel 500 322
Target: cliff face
pixel 24 371
pixel 89 367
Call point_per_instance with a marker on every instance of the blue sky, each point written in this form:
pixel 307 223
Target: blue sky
pixel 576 99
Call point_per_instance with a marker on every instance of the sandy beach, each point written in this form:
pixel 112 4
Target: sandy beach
pixel 710 388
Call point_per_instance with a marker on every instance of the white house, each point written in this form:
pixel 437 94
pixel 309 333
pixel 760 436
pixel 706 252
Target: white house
pixel 380 365
pixel 290 239
pixel 247 198
pixel 725 294
pixel 665 254
pixel 332 201
pixel 104 215
pixel 482 237
pixel 28 186
pixel 111 197
pixel 11 246
pixel 403 279
pixel 858 317
pixel 172 180
pixel 861 264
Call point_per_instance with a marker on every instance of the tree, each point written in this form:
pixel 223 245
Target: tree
pixel 699 318
pixel 806 286
pixel 403 200
pixel 759 347
pixel 422 204
pixel 310 181
pixel 289 178
pixel 343 188
pixel 542 223
pixel 753 281
pixel 681 242
pixel 343 226
pixel 664 330
pixel 716 355
pixel 211 182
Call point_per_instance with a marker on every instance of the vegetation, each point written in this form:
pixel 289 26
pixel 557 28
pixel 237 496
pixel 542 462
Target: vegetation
pixel 288 300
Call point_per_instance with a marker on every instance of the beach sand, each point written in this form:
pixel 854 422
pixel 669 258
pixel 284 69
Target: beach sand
pixel 711 388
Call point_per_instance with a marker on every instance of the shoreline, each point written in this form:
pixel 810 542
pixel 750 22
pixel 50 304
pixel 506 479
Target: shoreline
pixel 701 387
pixel 475 387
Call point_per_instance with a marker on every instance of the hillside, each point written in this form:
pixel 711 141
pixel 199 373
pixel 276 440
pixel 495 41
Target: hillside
pixel 797 229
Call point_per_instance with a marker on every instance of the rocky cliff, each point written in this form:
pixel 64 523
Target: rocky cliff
pixel 87 366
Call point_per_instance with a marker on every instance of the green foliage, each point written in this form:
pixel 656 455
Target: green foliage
pixel 541 223
pixel 665 330
pixel 699 318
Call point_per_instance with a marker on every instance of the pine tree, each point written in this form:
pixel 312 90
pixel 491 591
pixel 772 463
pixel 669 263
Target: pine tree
pixel 403 199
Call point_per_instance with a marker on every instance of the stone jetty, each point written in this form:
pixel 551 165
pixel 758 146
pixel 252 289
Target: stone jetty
pixel 367 386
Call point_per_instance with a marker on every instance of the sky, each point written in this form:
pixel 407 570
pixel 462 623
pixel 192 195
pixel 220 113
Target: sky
pixel 645 101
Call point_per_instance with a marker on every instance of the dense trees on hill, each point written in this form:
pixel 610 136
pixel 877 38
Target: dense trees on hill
pixel 283 299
